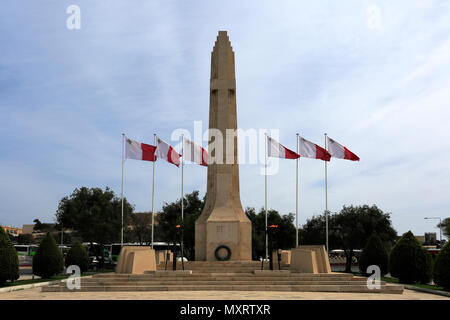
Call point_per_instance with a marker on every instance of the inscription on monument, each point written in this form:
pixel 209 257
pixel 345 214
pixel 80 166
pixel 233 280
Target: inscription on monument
pixel 226 232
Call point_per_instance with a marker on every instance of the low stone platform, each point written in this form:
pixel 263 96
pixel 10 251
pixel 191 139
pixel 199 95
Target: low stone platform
pixel 226 276
pixel 220 266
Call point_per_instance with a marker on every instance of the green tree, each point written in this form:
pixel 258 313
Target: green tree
pixel 170 217
pixel 67 238
pixel 349 230
pixel 43 227
pixel 12 238
pixel 313 231
pixel 409 261
pixel 37 225
pixel 441 270
pixel 48 260
pixel 374 253
pixel 258 234
pixel 9 262
pixel 139 228
pixel 95 214
pixel 25 239
pixel 445 225
pixel 77 255
pixel 284 234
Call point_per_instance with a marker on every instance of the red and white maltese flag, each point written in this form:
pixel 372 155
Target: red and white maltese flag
pixel 139 151
pixel 166 152
pixel 194 153
pixel 308 149
pixel 337 150
pixel 277 150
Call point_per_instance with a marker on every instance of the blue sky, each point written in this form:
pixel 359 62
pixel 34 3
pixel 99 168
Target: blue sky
pixel 374 75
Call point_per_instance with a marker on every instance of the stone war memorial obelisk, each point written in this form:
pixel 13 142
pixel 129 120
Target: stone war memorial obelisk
pixel 223 231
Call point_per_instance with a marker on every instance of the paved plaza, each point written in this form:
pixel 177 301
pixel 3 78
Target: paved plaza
pixel 36 294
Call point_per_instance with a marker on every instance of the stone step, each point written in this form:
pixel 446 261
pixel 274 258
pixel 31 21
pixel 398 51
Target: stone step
pixel 194 279
pixel 313 288
pixel 218 264
pixel 222 278
pixel 221 265
pixel 259 274
pixel 237 282
pixel 224 269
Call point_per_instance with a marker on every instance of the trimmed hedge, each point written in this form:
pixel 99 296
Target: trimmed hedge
pixel 374 253
pixel 9 262
pixel 409 261
pixel 78 255
pixel 441 272
pixel 48 260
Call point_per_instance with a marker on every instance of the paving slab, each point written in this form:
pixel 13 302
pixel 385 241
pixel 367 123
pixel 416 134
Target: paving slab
pixel 36 294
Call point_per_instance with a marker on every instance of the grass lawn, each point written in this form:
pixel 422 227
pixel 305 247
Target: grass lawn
pixel 418 285
pixel 54 278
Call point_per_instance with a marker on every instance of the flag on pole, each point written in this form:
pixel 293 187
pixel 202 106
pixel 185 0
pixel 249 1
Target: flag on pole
pixel 194 153
pixel 166 152
pixel 339 151
pixel 309 149
pixel 139 151
pixel 277 150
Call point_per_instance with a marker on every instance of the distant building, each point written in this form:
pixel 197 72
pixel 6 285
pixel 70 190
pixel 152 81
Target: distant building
pixel 420 238
pixel 27 228
pixel 12 230
pixel 428 239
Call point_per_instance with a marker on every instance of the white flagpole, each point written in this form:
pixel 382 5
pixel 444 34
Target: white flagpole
pixel 123 161
pixel 182 177
pixel 326 197
pixel 153 191
pixel 182 192
pixel 296 196
pixel 265 202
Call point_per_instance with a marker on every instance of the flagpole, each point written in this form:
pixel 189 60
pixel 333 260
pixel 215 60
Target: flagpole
pixel 182 177
pixel 326 197
pixel 153 190
pixel 296 196
pixel 265 202
pixel 182 193
pixel 123 161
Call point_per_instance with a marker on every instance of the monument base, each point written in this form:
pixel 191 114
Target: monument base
pixel 228 240
pixel 310 259
pixel 136 260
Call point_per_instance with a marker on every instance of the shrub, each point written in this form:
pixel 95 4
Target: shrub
pixel 374 253
pixel 9 262
pixel 78 255
pixel 48 260
pixel 425 265
pixel 409 261
pixel 441 271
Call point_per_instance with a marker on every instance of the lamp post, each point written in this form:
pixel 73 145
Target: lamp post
pixel 440 226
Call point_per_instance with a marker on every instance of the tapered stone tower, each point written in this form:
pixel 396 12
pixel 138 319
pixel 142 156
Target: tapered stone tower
pixel 223 221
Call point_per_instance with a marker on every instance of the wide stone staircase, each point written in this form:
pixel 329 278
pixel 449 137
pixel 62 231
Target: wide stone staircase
pixel 225 276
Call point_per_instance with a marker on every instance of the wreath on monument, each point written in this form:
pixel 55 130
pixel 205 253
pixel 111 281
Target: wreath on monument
pixel 218 257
